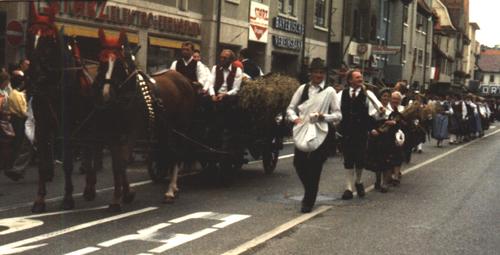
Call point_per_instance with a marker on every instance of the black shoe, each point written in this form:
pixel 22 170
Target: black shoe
pixel 347 195
pixel 360 189
pixel 306 209
pixel 383 190
pixel 14 176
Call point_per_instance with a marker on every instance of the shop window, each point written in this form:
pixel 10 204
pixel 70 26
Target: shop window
pixel 160 58
pixel 320 13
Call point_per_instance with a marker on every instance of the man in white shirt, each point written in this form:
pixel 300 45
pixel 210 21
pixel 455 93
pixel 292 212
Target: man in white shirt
pixel 309 164
pixel 193 70
pixel 225 78
pixel 359 108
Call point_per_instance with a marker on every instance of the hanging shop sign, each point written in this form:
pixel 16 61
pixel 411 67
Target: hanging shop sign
pixel 100 11
pixel 288 25
pixel 288 43
pixel 259 22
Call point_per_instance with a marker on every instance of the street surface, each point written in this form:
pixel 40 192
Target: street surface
pixel 447 204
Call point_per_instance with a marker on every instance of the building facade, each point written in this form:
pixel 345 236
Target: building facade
pixel 296 30
pixel 489 72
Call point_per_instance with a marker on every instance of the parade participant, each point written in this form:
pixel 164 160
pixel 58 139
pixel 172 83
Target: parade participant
pixel 375 155
pixel 250 69
pixel 312 106
pixel 225 78
pixel 440 122
pixel 358 107
pixel 192 69
pixel 197 57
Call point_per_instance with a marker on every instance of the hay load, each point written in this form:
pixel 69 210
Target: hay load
pixel 263 99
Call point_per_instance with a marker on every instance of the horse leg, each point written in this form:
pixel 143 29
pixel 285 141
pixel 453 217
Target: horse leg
pixel 89 192
pixel 172 186
pixel 39 204
pixel 118 166
pixel 128 193
pixel 44 136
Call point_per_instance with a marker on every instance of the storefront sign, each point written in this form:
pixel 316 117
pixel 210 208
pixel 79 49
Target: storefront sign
pixel 102 12
pixel 287 43
pixel 259 22
pixel 490 89
pixel 288 25
pixel 385 50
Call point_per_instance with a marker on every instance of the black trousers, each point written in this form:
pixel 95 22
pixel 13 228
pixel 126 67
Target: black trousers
pixel 308 166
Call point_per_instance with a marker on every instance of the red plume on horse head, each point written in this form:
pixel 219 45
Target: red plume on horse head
pixel 111 45
pixel 43 23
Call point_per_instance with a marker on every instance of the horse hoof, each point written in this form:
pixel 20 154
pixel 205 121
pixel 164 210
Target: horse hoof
pixel 128 197
pixel 168 200
pixel 115 207
pixel 89 194
pixel 38 207
pixel 68 203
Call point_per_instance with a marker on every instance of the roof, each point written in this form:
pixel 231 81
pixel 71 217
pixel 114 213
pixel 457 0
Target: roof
pixel 444 17
pixel 489 61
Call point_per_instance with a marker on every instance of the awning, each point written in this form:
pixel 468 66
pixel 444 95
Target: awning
pixel 167 43
pixel 92 32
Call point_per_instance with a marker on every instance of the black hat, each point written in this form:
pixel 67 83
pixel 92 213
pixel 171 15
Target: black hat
pixel 317 63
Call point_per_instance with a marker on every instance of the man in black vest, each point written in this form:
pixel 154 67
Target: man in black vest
pixel 310 164
pixel 193 70
pixel 225 78
pixel 358 105
pixel 250 69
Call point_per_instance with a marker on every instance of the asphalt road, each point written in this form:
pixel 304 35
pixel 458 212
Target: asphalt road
pixel 447 204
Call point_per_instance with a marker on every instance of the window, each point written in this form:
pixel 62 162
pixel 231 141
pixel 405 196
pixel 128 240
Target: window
pixel 428 58
pixel 281 6
pixel 182 5
pixel 492 78
pixel 384 21
pixel 405 14
pixel 3 24
pixel 286 7
pixel 420 57
pixel 421 24
pixel 356 25
pixel 320 13
pixel 403 53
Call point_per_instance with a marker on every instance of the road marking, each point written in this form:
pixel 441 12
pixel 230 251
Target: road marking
pixel 281 229
pixel 26 204
pixel 21 223
pixel 19 246
pixel 296 221
pixel 150 234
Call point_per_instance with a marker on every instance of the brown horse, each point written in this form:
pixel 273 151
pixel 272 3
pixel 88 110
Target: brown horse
pixel 125 98
pixel 176 97
pixel 54 85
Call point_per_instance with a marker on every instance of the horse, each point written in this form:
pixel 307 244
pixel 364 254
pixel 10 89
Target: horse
pixel 54 86
pixel 130 101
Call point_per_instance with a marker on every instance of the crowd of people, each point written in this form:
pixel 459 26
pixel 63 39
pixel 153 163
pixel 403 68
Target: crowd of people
pixel 376 128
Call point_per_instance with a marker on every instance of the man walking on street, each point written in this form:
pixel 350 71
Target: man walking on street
pixel 312 106
pixel 358 105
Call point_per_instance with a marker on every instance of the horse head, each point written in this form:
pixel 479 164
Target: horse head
pixel 116 65
pixel 44 48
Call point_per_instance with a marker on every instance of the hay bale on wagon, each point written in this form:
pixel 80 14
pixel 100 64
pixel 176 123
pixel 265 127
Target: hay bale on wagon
pixel 263 99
